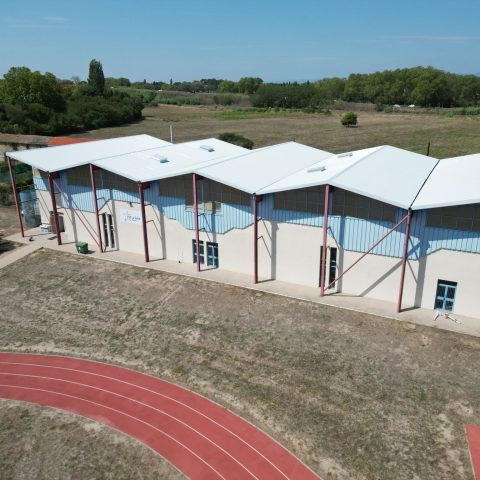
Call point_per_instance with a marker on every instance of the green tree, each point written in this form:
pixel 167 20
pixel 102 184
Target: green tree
pixel 349 119
pixel 96 79
pixel 249 85
pixel 21 86
pixel 236 139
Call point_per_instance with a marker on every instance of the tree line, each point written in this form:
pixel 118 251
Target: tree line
pixel 422 86
pixel 41 104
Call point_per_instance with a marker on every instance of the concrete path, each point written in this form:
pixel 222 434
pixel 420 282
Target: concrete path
pixel 200 438
pixel 9 257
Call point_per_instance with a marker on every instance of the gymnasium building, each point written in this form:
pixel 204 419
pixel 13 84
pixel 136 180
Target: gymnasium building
pixel 382 222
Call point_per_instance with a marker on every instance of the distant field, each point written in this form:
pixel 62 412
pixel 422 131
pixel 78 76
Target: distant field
pixel 449 136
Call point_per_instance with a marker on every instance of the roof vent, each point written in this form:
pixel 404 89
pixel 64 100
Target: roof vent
pixel 161 158
pixel 321 168
pixel 342 155
pixel 208 148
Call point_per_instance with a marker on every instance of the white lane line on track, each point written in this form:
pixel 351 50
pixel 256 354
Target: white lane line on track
pixel 170 398
pixel 140 403
pixel 121 413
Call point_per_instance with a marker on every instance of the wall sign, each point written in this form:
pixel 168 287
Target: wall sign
pixel 130 216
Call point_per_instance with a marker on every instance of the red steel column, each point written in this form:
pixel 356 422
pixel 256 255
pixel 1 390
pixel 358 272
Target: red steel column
pixel 404 260
pixel 54 207
pixel 15 196
pixel 256 199
pixel 141 188
pixel 95 202
pixel 255 239
pixel 195 212
pixel 323 260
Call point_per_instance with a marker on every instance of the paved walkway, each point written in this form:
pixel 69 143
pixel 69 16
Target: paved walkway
pixel 418 316
pixel 202 439
pixel 473 436
pixel 16 254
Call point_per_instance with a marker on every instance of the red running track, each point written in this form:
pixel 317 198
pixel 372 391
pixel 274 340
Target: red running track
pixel 200 438
pixel 473 436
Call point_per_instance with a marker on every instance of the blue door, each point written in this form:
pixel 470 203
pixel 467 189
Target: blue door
pixel 445 296
pixel 212 254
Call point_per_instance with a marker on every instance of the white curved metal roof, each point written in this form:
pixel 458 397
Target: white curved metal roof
pixel 254 169
pixel 391 175
pixel 54 159
pixel 454 181
pixel 170 160
pixel 385 173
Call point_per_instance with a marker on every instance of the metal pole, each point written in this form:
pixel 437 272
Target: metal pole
pixel 54 207
pixel 368 251
pixel 141 188
pixel 404 260
pixel 195 212
pixel 95 202
pixel 171 134
pixel 15 197
pixel 256 200
pixel 255 239
pixel 323 260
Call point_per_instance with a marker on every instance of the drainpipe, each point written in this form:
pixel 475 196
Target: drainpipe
pixel 141 191
pixel 323 260
pixel 15 196
pixel 95 202
pixel 404 260
pixel 51 175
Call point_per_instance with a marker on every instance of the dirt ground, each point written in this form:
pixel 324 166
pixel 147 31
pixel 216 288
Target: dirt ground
pixel 354 396
pixel 43 443
pixel 8 226
pixel 449 136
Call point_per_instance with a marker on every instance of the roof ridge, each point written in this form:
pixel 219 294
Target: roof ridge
pixel 360 160
pixel 243 154
pixel 424 183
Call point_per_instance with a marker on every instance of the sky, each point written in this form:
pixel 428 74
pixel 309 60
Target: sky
pixel 275 40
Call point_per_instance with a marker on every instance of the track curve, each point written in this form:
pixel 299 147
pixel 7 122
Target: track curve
pixel 199 437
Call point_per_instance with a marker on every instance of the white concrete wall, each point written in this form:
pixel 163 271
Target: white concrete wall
pixel 289 253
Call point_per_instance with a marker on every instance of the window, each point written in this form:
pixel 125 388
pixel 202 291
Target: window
pixel 212 254
pixel 80 176
pixel 202 251
pixel 349 204
pixel 464 217
pixel 211 195
pixel 302 200
pixel 445 296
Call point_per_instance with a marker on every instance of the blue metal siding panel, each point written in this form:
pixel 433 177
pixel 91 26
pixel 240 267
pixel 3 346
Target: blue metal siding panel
pixel 40 182
pixel 353 234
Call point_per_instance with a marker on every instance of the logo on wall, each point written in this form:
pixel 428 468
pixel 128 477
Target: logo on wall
pixel 130 216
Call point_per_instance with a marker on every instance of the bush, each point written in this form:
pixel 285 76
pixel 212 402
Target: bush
pixel 349 119
pixel 236 139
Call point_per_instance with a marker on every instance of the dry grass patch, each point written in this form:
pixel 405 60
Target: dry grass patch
pixel 353 395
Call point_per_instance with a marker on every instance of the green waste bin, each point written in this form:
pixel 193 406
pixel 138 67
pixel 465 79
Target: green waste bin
pixel 82 247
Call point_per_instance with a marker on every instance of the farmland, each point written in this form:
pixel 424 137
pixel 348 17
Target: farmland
pixel 449 136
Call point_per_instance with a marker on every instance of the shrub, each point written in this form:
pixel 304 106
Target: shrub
pixel 236 139
pixel 349 119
